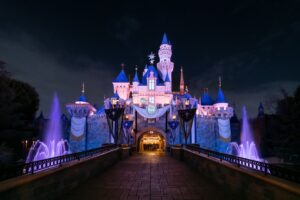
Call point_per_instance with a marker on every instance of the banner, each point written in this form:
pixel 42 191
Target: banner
pixel 78 126
pixel 224 129
pixel 156 113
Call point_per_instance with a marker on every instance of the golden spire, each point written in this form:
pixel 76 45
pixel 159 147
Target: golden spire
pixel 181 87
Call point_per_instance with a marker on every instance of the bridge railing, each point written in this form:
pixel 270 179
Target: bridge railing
pixel 40 165
pixel 266 168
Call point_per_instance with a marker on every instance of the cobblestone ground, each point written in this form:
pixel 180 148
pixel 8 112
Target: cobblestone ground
pixel 148 176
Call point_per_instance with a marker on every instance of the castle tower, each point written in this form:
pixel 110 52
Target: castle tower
pixel 79 111
pixel 181 87
pixel 135 82
pixel 220 102
pixel 165 65
pixel 122 85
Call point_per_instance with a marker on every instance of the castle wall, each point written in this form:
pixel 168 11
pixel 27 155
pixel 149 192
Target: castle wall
pixel 224 135
pixel 98 132
pixel 206 132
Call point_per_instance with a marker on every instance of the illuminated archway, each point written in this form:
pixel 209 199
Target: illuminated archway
pixel 151 139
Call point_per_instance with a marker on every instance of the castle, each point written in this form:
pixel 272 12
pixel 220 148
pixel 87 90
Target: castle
pixel 150 104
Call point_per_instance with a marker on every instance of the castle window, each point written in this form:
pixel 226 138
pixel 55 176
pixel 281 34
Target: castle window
pixel 151 100
pixel 151 84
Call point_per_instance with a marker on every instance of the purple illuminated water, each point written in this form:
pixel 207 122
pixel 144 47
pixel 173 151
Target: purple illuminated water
pixel 53 143
pixel 247 148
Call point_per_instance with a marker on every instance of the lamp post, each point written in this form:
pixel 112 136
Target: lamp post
pixel 114 118
pixel 186 116
pixel 173 124
pixel 127 124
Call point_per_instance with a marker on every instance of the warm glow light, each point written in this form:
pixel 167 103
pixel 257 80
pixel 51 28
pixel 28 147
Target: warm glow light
pixel 174 117
pixel 187 102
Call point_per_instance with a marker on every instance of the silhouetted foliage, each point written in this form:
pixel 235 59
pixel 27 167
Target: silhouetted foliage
pixel 282 134
pixel 18 102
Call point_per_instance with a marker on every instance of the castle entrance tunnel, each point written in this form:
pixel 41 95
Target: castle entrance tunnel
pixel 151 141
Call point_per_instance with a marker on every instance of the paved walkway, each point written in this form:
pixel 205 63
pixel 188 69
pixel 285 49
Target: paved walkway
pixel 148 176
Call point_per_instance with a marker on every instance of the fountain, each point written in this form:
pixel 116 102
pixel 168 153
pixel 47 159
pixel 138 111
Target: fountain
pixel 247 148
pixel 52 144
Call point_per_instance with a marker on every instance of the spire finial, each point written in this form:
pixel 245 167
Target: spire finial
pixel 136 68
pixel 122 66
pixel 220 82
pixel 82 91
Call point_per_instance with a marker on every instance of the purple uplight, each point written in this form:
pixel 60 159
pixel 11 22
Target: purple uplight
pixel 54 128
pixel 247 148
pixel 53 143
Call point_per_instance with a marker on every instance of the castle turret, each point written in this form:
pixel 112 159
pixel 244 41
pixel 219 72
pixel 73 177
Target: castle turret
pixel 261 110
pixel 135 82
pixel 122 85
pixel 165 65
pixel 79 111
pixel 220 102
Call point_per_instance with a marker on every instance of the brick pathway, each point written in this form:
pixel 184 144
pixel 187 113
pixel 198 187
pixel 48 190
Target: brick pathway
pixel 148 176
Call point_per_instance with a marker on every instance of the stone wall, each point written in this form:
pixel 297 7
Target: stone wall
pixel 51 184
pixel 206 132
pixel 98 132
pixel 242 183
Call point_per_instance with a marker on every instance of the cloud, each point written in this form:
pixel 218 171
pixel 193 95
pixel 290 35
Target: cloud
pixel 27 61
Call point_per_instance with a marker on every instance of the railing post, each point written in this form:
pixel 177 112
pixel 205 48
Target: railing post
pixel 266 170
pixel 32 167
pixel 238 161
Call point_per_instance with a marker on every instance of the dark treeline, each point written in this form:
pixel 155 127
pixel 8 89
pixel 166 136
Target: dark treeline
pixel 280 132
pixel 19 103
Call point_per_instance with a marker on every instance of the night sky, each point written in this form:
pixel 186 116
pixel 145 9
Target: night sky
pixel 54 46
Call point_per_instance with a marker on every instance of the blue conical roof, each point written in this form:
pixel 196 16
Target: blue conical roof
pixel 187 95
pixel 261 110
pixel 136 78
pixel 151 68
pixel 121 78
pixel 206 99
pixel 116 95
pixel 165 39
pixel 220 97
pixel 100 110
pixel 167 78
pixel 82 98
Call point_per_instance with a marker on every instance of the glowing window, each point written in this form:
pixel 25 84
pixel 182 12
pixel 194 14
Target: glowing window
pixel 151 84
pixel 151 100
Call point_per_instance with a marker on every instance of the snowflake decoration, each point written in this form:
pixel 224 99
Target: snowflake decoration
pixel 151 57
